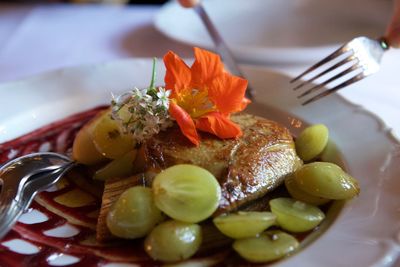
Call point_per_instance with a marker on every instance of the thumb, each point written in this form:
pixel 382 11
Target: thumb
pixel 392 34
pixel 189 3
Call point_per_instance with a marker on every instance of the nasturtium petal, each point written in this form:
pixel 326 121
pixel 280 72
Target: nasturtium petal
pixel 227 93
pixel 178 74
pixel 206 67
pixel 219 125
pixel 185 123
pixel 245 102
pixel 204 95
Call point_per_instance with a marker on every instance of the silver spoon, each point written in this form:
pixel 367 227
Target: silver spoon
pixel 22 178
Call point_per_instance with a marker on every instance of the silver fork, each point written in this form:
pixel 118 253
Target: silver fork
pixel 22 178
pixel 350 63
pixel 221 47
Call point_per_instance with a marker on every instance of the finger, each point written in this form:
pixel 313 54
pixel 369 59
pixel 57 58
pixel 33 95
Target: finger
pixel 392 34
pixel 189 3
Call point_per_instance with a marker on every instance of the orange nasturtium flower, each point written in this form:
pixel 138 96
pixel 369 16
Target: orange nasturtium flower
pixel 204 95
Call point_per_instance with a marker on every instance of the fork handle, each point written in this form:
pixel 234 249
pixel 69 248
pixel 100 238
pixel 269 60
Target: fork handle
pixel 219 43
pixel 392 34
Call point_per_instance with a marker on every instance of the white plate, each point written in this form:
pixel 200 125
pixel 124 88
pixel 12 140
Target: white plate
pixel 276 31
pixel 366 232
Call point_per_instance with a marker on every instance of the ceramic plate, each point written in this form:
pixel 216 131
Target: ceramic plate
pixel 366 230
pixel 272 31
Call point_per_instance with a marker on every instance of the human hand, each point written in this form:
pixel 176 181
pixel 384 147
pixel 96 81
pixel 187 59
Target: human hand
pixel 189 3
pixel 392 34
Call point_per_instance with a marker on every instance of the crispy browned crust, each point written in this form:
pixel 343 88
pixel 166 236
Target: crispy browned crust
pixel 246 168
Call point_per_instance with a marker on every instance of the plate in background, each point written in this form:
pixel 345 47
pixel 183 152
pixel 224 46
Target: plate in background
pixel 276 31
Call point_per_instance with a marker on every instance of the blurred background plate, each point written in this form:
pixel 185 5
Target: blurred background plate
pixel 276 31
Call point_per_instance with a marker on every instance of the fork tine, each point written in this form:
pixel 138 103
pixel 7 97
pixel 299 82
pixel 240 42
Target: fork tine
pixel 335 54
pixel 341 74
pixel 340 63
pixel 336 88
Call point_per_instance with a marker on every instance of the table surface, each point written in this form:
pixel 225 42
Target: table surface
pixel 38 38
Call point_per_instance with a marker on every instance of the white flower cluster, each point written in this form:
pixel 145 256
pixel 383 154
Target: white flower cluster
pixel 142 112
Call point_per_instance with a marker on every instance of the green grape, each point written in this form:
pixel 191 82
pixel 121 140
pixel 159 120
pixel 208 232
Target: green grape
pixel 134 214
pixel 331 154
pixel 312 141
pixel 296 193
pixel 268 246
pixel 295 216
pixel 327 180
pixel 173 241
pixel 120 167
pixel 186 193
pixel 109 139
pixel 244 224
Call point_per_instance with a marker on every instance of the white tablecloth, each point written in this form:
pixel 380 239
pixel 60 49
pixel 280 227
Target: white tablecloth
pixel 34 39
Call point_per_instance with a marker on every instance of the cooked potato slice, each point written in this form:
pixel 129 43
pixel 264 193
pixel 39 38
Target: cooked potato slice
pixel 119 167
pixel 83 149
pixel 108 138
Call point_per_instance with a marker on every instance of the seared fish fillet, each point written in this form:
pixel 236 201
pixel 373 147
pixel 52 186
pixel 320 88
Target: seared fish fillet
pixel 246 168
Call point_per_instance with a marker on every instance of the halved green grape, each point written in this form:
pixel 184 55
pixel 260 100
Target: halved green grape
pixel 108 138
pixel 120 167
pixel 295 216
pixel 296 193
pixel 244 224
pixel 268 246
pixel 186 193
pixel 312 141
pixel 327 180
pixel 134 214
pixel 331 154
pixel 173 241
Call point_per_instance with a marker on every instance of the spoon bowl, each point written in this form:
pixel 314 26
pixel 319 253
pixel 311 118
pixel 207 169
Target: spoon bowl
pixel 22 178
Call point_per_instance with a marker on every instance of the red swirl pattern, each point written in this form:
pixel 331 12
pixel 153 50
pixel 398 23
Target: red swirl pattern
pixel 58 137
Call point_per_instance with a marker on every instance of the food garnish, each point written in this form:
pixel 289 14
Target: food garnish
pixel 201 97
pixel 143 112
pixel 204 95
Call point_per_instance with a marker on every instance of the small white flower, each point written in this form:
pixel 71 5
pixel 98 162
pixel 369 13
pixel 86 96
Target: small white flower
pixel 139 93
pixel 163 97
pixel 148 112
pixel 124 98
